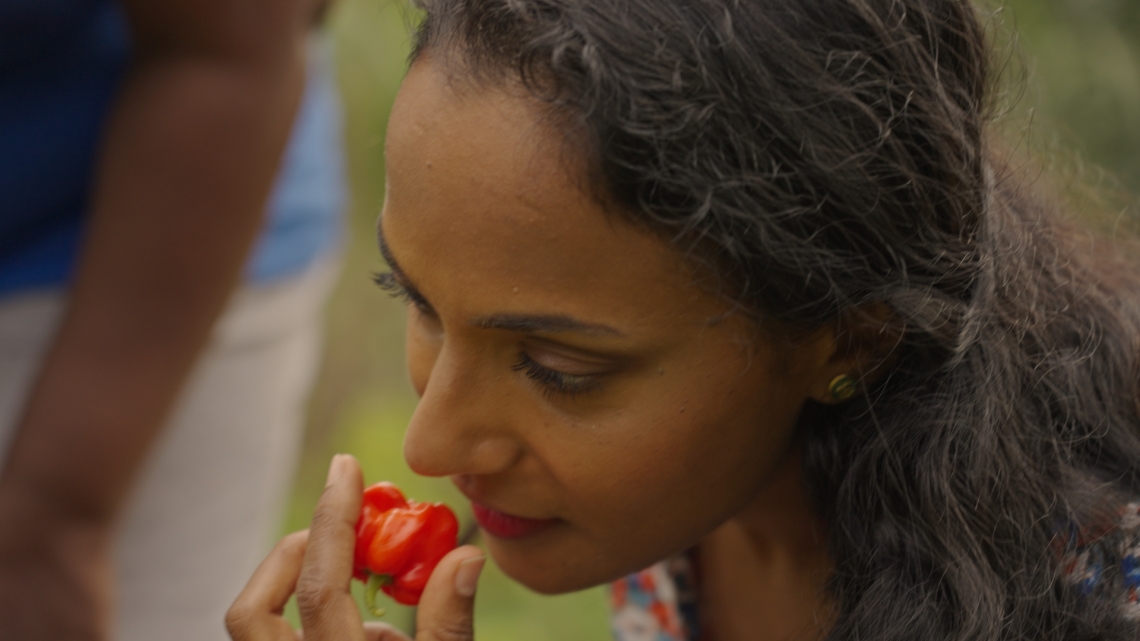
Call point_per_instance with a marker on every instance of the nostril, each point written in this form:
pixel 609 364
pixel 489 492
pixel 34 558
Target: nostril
pixel 465 482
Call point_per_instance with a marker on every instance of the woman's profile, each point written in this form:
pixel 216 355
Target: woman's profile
pixel 736 305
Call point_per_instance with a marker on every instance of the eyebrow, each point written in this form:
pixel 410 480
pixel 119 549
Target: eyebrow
pixel 527 323
pixel 548 323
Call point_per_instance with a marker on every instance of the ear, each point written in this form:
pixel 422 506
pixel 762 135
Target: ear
pixel 863 343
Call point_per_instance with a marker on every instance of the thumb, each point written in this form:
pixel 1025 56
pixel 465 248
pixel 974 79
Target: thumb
pixel 446 609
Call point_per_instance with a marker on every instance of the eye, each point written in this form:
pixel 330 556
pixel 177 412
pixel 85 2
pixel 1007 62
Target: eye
pixel 555 381
pixel 389 282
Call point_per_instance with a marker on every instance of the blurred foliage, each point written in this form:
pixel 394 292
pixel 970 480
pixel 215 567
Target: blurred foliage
pixel 1076 70
pixel 1083 63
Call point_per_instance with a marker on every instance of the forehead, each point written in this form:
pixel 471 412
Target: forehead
pixel 483 155
pixel 481 199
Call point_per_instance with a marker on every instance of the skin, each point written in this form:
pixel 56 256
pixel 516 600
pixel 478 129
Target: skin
pixel 572 367
pixel 189 154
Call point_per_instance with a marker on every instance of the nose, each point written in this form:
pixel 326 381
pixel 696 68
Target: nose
pixel 461 425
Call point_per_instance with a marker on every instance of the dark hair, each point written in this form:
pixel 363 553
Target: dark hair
pixel 827 155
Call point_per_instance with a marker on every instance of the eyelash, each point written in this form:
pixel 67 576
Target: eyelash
pixel 555 381
pixel 388 283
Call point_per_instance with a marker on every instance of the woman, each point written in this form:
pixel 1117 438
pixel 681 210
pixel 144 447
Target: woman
pixel 744 287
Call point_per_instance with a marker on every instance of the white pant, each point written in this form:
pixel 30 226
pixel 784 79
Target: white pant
pixel 209 497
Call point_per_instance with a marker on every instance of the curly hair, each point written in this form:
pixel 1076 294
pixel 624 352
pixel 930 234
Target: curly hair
pixel 826 155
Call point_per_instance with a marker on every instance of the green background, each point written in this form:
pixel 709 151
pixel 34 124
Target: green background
pixel 1072 97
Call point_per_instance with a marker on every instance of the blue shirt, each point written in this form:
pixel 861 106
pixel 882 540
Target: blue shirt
pixel 61 62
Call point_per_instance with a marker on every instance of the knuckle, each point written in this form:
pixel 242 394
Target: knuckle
pixel 239 621
pixel 322 514
pixel 326 516
pixel 376 631
pixel 449 630
pixel 314 598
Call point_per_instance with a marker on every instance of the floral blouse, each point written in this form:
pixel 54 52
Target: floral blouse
pixel 660 602
pixel 1085 552
pixel 656 604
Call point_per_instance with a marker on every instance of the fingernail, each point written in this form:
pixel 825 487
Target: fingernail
pixel 335 467
pixel 467 576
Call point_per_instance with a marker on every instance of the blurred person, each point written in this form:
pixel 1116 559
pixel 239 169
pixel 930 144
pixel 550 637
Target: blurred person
pixel 150 414
pixel 741 308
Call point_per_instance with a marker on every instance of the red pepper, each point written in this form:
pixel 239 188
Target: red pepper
pixel 399 542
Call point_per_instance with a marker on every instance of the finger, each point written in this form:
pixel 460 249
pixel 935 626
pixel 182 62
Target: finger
pixel 446 611
pixel 375 631
pixel 256 613
pixel 323 598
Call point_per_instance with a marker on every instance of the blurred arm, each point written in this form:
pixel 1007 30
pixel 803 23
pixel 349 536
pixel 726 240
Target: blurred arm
pixel 188 158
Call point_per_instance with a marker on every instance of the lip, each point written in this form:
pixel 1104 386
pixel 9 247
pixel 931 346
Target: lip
pixel 508 526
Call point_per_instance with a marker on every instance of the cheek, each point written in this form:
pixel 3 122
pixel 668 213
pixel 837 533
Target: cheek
pixel 656 477
pixel 695 463
pixel 715 428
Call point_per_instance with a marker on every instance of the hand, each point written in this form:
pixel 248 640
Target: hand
pixel 317 565
pixel 55 573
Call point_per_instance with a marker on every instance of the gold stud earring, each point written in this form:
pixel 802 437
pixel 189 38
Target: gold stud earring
pixel 843 387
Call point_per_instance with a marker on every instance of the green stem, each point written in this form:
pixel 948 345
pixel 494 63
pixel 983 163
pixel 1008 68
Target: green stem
pixel 375 582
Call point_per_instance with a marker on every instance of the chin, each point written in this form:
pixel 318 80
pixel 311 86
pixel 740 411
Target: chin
pixel 546 567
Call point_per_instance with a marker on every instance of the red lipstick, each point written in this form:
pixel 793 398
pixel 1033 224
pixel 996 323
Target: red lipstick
pixel 508 526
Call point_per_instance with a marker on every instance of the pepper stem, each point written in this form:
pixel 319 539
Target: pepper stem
pixel 375 582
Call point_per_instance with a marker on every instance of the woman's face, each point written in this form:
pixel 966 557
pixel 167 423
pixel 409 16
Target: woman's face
pixel 572 372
